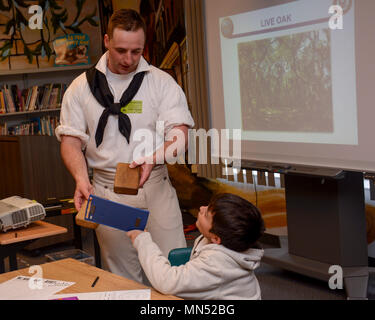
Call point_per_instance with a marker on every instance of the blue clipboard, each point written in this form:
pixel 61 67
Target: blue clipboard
pixel 115 215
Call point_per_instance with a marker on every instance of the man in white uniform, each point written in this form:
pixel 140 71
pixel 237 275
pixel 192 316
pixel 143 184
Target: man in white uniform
pixel 100 116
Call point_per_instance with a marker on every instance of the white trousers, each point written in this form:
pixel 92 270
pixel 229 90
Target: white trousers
pixel 164 223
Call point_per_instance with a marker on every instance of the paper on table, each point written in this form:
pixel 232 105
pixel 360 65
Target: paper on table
pixel 144 294
pixel 31 288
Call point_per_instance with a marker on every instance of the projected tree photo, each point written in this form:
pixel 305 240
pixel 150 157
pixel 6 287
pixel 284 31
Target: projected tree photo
pixel 286 83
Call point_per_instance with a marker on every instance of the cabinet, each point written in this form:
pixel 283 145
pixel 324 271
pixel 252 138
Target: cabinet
pixel 31 167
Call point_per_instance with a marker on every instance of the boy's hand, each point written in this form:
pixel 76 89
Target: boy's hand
pixel 132 234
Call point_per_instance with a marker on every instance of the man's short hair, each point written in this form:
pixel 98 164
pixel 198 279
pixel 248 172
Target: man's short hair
pixel 125 19
pixel 236 221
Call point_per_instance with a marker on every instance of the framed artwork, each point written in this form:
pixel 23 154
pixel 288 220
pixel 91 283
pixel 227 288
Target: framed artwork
pixel 26 40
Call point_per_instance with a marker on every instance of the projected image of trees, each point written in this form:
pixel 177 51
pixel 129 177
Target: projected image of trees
pixel 285 83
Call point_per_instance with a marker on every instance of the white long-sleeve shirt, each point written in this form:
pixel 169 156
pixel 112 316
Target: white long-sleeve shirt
pixel 162 100
pixel 213 272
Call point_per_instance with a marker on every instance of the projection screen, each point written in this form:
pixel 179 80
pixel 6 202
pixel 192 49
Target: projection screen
pixel 296 78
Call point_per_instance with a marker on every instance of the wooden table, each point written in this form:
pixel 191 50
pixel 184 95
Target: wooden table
pixel 13 241
pixel 83 275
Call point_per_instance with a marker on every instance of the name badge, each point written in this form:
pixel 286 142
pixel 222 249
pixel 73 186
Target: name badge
pixel 134 106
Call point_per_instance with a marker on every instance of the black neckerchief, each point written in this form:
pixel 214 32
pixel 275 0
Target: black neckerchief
pixel 99 88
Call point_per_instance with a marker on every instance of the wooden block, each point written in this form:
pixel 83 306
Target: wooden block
pixel 80 218
pixel 126 179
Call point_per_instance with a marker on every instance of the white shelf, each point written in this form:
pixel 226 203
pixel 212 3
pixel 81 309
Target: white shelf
pixel 41 70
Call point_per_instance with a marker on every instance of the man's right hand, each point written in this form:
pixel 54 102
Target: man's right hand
pixel 82 193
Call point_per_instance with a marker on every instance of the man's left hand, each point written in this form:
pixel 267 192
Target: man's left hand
pixel 146 169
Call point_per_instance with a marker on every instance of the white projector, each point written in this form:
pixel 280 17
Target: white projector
pixel 16 212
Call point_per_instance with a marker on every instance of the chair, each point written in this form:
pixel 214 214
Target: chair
pixel 179 256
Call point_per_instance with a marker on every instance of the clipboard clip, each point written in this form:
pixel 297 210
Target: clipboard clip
pixel 90 209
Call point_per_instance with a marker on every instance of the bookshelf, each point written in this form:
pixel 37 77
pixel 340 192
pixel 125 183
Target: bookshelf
pixel 30 164
pixel 166 26
pixel 46 82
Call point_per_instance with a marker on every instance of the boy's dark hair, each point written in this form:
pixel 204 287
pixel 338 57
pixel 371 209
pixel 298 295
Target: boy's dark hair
pixel 126 19
pixel 236 221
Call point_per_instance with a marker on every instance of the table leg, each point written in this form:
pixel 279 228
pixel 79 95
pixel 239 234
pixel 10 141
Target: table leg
pixel 10 250
pixel 77 234
pixel 98 260
pixel 13 262
pixel 2 266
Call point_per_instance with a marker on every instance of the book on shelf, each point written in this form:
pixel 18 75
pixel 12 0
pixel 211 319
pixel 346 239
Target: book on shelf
pixel 21 102
pixel 37 126
pixel 42 97
pixel 3 129
pixel 41 92
pixel 9 103
pixel 170 57
pixel 6 105
pixel 184 66
pixel 29 92
pixel 172 64
pixel 33 103
pixel 72 49
pixel 52 101
pixel 14 95
pixel 2 103
pixel 43 127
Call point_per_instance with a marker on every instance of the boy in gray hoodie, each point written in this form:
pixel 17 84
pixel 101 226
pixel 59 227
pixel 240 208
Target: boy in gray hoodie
pixel 223 258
